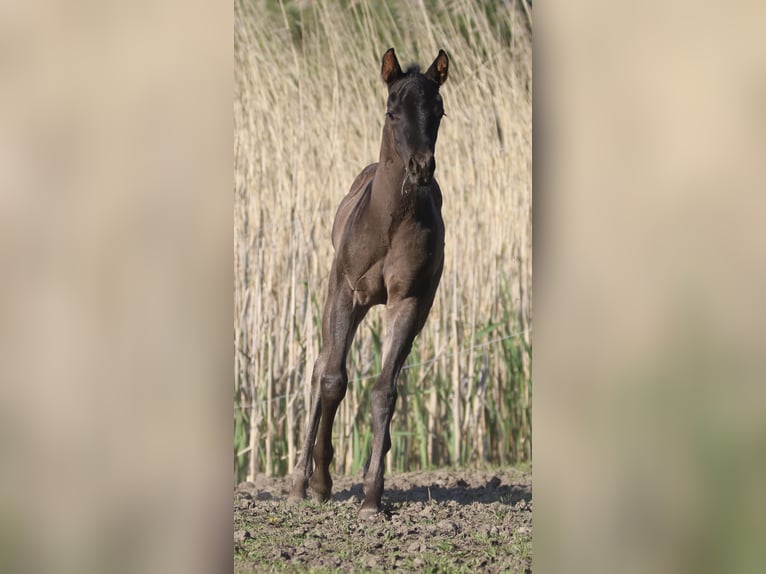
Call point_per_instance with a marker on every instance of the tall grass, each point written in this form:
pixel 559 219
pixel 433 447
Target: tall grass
pixel 308 109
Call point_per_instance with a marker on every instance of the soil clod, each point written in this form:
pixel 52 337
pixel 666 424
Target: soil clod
pixel 440 521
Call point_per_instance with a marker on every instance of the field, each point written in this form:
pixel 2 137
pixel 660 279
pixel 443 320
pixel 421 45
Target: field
pixel 308 111
pixel 434 521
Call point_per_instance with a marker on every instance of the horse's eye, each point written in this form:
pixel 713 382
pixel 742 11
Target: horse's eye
pixel 390 115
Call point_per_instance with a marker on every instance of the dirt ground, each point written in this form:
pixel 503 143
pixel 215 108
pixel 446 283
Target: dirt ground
pixel 437 521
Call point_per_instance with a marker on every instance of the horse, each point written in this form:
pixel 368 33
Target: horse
pixel 388 241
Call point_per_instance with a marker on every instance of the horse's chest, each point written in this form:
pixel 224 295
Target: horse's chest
pixel 416 253
pixel 414 250
pixel 412 241
pixel 383 258
pixel 416 228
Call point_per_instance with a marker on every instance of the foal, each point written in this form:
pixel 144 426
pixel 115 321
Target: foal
pixel 388 237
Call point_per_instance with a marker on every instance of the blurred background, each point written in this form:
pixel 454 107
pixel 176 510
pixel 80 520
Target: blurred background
pixel 650 435
pixel 115 286
pixel 116 299
pixel 308 113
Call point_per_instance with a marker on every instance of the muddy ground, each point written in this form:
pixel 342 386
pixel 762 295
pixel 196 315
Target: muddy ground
pixel 438 521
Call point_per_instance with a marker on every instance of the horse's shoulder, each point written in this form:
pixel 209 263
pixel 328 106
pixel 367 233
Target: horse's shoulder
pixel 355 194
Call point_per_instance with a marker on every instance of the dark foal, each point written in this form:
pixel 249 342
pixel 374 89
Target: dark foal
pixel 388 237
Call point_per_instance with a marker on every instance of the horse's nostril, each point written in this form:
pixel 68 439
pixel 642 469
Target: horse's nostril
pixel 421 168
pixel 427 166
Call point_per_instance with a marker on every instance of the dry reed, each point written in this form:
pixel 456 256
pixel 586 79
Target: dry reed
pixel 308 111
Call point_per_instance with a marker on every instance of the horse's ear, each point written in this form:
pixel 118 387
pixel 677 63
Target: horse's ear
pixel 439 69
pixel 390 69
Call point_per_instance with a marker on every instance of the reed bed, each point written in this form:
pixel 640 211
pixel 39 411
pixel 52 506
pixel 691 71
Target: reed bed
pixel 308 111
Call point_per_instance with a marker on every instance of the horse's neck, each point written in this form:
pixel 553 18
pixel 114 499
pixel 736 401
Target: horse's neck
pixel 389 176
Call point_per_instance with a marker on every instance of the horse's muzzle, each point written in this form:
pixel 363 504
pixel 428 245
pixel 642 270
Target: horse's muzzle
pixel 421 168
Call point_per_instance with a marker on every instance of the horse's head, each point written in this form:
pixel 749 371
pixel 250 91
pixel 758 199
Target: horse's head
pixel 413 113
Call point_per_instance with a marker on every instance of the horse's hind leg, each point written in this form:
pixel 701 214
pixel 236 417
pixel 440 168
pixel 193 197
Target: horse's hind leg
pixel 404 319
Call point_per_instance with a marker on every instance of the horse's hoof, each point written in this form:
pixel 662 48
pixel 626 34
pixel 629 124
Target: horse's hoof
pixel 293 498
pixel 369 510
pixel 297 490
pixel 319 496
pixel 297 494
pixel 320 490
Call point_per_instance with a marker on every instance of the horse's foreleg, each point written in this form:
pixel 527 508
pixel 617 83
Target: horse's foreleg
pixel 403 321
pixel 302 470
pixel 341 318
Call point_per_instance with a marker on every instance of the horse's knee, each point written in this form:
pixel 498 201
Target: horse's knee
pixel 333 387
